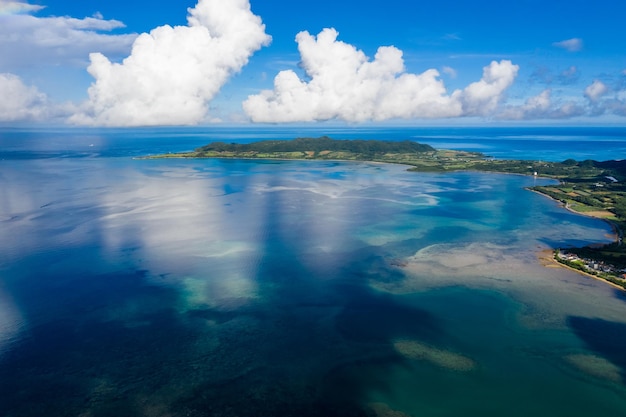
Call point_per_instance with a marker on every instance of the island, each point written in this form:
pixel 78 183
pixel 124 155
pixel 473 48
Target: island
pixel 593 188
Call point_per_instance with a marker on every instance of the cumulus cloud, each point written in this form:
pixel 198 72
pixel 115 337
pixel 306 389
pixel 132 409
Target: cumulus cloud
pixel 542 106
pixel 533 106
pixel 596 90
pixel 571 45
pixel 483 97
pixel 601 99
pixel 173 72
pixel 343 83
pixel 25 103
pixel 28 41
pixel 604 99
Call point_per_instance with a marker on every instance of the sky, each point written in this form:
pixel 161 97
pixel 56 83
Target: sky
pixel 203 62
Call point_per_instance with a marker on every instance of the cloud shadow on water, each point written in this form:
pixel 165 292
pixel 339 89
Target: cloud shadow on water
pixel 312 336
pixel 126 344
pixel 80 357
pixel 606 338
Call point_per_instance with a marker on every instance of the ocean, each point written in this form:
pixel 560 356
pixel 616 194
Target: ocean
pixel 133 287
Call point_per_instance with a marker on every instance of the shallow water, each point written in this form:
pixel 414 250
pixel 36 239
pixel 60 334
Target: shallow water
pixel 234 288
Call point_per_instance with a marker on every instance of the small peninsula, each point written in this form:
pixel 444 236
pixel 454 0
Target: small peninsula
pixel 593 188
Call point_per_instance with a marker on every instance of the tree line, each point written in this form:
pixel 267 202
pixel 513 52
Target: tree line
pixel 324 143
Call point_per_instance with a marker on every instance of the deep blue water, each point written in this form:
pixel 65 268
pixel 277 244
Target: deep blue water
pixel 283 288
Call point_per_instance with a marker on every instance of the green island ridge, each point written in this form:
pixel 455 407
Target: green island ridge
pixel 589 187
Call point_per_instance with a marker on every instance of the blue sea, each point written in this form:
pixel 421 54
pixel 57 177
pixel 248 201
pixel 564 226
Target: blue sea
pixel 133 287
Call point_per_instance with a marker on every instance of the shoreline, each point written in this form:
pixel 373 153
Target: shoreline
pixel 549 253
pixel 547 256
pixel 614 237
pixel 616 230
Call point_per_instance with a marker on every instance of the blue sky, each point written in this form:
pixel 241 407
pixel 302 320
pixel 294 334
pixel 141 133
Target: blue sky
pixel 453 62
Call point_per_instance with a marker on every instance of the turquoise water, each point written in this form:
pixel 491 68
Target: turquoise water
pixel 237 288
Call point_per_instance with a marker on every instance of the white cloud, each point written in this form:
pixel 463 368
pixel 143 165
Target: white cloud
pixel 31 42
pixel 345 84
pixel 606 100
pixel 25 103
pixel 596 90
pixel 173 72
pixel 15 7
pixel 41 44
pixel 533 106
pixel 482 97
pixel 542 106
pixel 602 99
pixel 571 45
pixel 450 71
pixel 539 102
pixel 28 104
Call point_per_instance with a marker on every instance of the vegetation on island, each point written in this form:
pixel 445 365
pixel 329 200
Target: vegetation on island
pixel 323 148
pixel 318 147
pixel 589 187
pixel 597 189
pixel 600 262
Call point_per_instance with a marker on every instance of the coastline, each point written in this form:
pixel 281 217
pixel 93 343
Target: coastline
pixel 549 254
pixel 546 258
pixel 616 230
pixel 615 236
pixel 444 166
